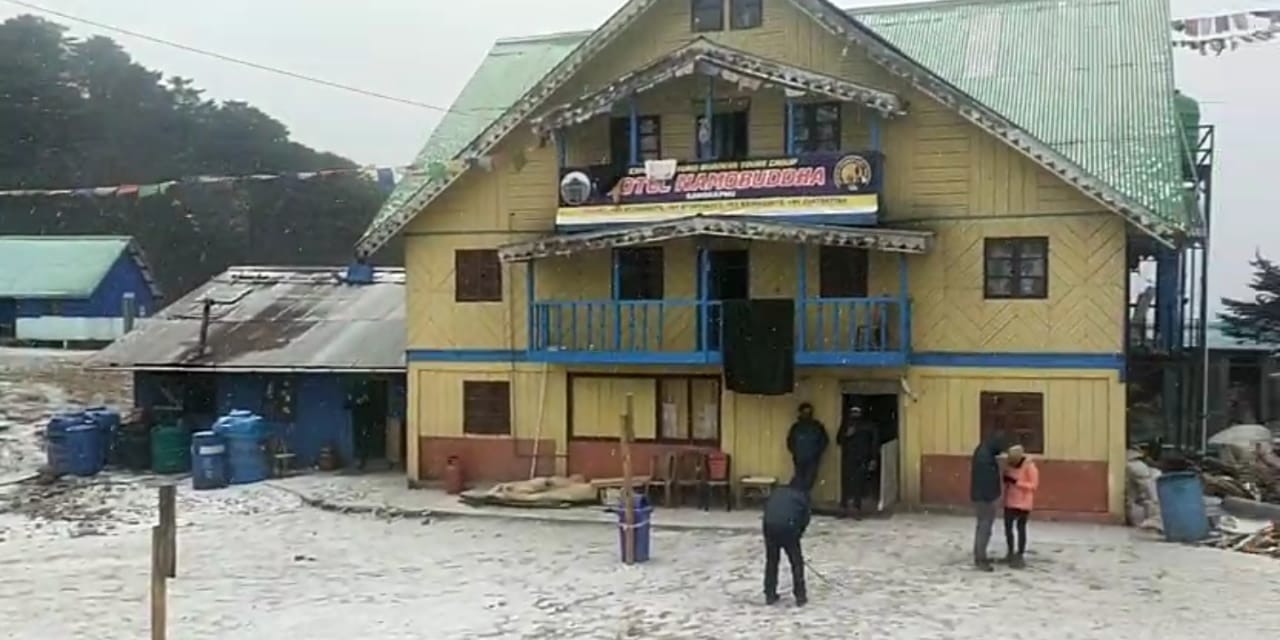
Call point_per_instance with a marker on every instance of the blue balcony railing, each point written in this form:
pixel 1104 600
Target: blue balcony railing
pixel 832 332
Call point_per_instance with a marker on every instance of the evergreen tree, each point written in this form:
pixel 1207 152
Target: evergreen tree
pixel 82 113
pixel 1258 319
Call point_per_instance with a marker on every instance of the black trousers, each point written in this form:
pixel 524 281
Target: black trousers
pixel 855 476
pixel 775 542
pixel 1015 519
pixel 806 474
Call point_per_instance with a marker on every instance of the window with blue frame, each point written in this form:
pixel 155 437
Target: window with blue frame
pixel 816 127
pixel 639 273
pixel 726 139
pixel 649 140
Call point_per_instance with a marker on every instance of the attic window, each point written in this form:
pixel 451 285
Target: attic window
pixel 746 14
pixel 707 15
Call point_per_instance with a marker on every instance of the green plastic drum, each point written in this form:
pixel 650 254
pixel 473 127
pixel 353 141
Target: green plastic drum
pixel 170 448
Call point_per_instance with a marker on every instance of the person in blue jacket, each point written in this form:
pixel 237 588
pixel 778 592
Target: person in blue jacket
pixel 786 516
pixel 806 441
pixel 985 490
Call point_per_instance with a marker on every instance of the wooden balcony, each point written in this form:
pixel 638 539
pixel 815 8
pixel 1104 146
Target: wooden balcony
pixel 829 332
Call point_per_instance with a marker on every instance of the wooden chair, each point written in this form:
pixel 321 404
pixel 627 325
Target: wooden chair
pixel 662 470
pixel 691 473
pixel 719 470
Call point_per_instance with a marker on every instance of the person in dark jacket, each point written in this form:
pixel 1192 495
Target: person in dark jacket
pixel 786 516
pixel 985 491
pixel 807 441
pixel 858 448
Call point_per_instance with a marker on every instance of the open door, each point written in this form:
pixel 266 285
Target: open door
pixel 888 476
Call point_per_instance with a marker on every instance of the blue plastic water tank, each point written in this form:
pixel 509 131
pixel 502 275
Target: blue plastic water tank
pixel 84 448
pixel 109 421
pixel 1182 509
pixel 208 461
pixel 246 438
pixel 55 434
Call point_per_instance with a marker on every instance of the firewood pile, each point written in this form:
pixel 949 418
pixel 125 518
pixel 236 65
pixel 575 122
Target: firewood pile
pixel 1262 542
pixel 1252 475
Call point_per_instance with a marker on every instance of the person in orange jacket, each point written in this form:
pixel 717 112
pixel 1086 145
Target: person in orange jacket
pixel 1021 479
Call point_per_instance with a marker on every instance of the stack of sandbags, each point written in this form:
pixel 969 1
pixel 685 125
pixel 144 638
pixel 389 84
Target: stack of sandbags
pixel 1141 500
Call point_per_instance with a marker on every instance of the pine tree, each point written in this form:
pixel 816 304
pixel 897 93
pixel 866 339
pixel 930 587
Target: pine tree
pixel 1258 319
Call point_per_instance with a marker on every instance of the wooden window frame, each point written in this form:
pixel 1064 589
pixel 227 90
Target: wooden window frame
pixel 699 7
pixel 806 115
pixel 477 275
pixel 657 438
pixel 1018 248
pixel 486 408
pixel 633 262
pixel 688 381
pixel 741 7
pixel 1013 413
pixel 834 282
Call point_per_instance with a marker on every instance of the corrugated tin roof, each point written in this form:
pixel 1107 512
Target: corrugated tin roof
pixel 507 72
pixel 267 319
pixel 58 266
pixel 1091 79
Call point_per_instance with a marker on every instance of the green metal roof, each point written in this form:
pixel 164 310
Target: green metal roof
pixel 56 266
pixel 1091 79
pixel 510 69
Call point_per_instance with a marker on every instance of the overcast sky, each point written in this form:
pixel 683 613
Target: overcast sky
pixel 425 50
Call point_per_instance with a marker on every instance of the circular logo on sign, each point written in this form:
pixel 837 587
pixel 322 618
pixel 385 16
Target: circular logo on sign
pixel 852 173
pixel 575 188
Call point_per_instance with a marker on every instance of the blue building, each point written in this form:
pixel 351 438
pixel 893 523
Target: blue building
pixel 317 352
pixel 72 289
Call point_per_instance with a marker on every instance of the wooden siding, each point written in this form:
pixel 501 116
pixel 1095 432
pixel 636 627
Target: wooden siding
pixel 1084 418
pixel 941 174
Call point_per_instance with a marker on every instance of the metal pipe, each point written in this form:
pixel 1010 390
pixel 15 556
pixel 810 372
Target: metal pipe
pixel 635 132
pixel 205 312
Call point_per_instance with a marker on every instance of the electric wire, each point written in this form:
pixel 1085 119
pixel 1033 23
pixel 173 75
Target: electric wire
pixel 241 61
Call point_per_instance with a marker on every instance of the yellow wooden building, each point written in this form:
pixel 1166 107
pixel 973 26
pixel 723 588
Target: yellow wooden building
pixel 946 192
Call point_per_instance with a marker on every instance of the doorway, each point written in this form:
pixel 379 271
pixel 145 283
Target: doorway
pixel 882 410
pixel 369 412
pixel 728 278
pixel 8 318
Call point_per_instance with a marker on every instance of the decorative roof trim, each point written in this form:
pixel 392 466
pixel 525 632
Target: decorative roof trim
pixel 931 84
pixel 875 239
pixel 839 23
pixel 144 266
pixel 729 64
pixel 381 233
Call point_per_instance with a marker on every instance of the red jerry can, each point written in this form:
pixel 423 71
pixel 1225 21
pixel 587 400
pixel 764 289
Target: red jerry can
pixel 453 480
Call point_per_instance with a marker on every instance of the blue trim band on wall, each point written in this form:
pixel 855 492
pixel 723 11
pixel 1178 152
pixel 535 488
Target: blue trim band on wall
pixel 1019 360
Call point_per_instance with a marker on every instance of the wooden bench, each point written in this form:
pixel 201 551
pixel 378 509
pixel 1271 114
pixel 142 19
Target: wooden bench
pixel 755 488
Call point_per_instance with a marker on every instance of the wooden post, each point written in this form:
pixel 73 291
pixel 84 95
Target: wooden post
pixel 159 593
pixel 628 499
pixel 164 560
pixel 169 527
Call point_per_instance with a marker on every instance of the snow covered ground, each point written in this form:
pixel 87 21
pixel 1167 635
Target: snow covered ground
pixel 255 563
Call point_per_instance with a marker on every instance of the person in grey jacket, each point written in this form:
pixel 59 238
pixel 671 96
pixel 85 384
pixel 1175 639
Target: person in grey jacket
pixel 985 490
pixel 786 516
